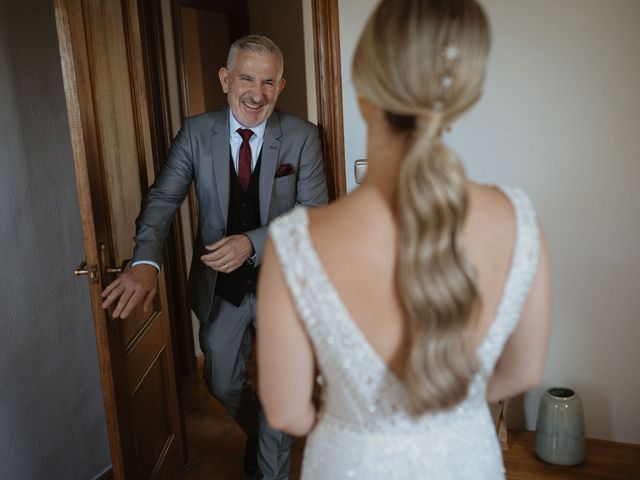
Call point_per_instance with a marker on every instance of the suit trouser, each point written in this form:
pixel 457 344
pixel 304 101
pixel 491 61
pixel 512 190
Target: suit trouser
pixel 226 341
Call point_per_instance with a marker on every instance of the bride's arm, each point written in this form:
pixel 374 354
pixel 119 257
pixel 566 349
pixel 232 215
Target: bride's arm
pixel 521 364
pixel 285 355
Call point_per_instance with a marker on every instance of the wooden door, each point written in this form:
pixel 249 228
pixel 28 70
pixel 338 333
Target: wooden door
pixel 109 117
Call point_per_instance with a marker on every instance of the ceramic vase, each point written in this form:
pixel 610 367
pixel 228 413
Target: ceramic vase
pixel 560 437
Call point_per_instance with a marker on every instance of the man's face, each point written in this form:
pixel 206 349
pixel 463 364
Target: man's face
pixel 252 85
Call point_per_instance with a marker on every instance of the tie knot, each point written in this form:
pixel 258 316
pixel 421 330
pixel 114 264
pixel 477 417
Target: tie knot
pixel 245 133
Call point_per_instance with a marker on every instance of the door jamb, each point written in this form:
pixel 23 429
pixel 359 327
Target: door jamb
pixel 326 31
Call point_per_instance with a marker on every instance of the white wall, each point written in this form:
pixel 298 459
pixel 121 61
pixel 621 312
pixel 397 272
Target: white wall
pixel 52 421
pixel 561 118
pixel 353 16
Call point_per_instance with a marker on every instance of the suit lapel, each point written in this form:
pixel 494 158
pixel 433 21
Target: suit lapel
pixel 270 151
pixel 220 154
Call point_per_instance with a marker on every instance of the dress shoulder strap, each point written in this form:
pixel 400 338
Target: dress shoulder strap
pixel 290 236
pixel 524 264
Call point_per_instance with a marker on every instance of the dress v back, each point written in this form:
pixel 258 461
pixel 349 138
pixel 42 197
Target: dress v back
pixel 363 430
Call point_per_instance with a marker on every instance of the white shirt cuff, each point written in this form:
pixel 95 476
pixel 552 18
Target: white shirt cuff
pixel 146 262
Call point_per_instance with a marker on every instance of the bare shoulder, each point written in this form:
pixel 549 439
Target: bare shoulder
pixel 358 229
pixel 489 207
pixel 490 227
pixel 490 200
pixel 325 219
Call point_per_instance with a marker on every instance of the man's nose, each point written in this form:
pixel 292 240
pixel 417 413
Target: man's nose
pixel 255 94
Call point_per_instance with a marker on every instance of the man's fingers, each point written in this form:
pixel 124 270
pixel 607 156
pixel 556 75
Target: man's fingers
pixel 218 260
pixel 232 267
pixel 221 266
pixel 218 244
pixel 148 300
pixel 113 295
pixel 124 298
pixel 227 254
pixel 129 289
pixel 131 304
pixel 110 287
pixel 214 256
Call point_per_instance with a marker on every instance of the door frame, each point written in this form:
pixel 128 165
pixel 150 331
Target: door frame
pixel 326 33
pixel 327 61
pixel 154 81
pixel 162 134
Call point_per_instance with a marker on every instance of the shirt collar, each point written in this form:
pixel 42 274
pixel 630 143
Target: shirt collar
pixel 234 125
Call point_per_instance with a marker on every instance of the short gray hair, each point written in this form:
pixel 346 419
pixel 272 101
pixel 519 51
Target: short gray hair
pixel 258 44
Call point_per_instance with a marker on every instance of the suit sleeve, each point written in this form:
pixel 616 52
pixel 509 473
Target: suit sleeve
pixel 258 237
pixel 311 190
pixel 164 198
pixel 311 187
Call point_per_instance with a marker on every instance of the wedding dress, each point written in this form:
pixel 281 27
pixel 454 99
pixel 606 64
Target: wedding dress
pixel 363 430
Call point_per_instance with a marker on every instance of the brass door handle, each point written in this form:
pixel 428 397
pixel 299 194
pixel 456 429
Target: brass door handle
pixel 83 269
pixel 121 268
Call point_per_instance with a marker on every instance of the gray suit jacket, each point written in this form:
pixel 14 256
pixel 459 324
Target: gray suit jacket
pixel 200 153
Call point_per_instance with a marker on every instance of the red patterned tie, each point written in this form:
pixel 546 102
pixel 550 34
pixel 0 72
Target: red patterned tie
pixel 244 161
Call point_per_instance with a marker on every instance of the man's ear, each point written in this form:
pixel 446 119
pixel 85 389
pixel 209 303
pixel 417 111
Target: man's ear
pixel 223 75
pixel 281 84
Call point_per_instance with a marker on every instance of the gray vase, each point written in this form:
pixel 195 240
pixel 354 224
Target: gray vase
pixel 560 437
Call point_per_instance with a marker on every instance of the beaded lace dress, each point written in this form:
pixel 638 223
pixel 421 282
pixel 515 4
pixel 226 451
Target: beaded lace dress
pixel 363 430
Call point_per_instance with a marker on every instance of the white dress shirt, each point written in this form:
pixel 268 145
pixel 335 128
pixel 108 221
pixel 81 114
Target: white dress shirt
pixel 235 140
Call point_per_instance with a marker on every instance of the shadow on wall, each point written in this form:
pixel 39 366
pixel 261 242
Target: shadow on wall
pixel 515 413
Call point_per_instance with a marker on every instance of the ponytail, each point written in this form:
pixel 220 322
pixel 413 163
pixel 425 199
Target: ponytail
pixel 434 278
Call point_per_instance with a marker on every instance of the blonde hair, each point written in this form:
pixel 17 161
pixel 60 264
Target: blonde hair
pixel 423 62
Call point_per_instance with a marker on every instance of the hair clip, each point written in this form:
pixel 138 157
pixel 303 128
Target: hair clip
pixel 447 81
pixel 451 52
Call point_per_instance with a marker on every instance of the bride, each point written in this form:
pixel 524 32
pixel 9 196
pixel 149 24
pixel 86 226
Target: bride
pixel 418 297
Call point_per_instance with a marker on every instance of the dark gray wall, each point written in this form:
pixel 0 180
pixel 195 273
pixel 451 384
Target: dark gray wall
pixel 52 423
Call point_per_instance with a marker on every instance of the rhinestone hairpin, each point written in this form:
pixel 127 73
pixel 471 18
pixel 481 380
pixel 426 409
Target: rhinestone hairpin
pixel 450 54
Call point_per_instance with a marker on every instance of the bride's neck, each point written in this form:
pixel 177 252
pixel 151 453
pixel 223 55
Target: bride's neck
pixel 385 151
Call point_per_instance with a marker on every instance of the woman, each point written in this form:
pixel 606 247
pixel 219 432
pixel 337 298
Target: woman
pixel 420 296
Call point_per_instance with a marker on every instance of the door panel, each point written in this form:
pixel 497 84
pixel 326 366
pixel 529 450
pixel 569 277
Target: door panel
pixel 109 116
pixel 134 326
pixel 152 437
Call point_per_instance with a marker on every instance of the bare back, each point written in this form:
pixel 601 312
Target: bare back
pixel 356 241
pixel 332 306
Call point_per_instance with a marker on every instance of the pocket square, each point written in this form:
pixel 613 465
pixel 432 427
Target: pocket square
pixel 284 170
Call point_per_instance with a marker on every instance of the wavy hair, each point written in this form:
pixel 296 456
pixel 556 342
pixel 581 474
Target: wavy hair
pixel 423 62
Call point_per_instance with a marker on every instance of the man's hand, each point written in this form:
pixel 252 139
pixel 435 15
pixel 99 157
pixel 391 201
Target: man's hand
pixel 131 287
pixel 228 254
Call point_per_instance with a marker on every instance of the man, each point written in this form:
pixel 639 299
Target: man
pixel 249 164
